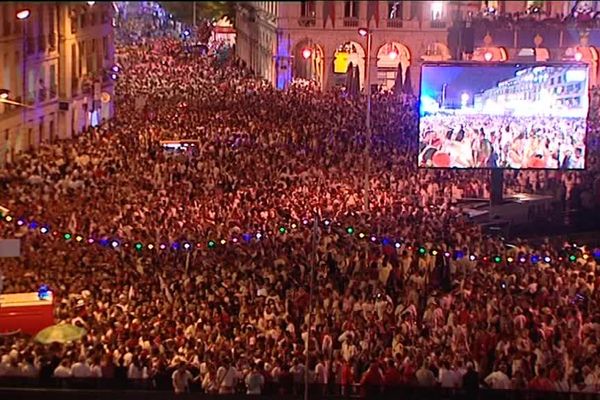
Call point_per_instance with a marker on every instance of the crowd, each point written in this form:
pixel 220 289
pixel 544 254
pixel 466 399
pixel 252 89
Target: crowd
pixel 235 317
pixel 475 141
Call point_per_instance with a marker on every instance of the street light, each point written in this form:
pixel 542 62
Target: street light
pixel 369 35
pixel 23 14
pixel 91 3
pixel 4 94
pixel 306 53
pixel 488 56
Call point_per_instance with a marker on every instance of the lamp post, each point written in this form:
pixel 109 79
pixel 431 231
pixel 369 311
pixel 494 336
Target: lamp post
pixel 23 15
pixel 369 35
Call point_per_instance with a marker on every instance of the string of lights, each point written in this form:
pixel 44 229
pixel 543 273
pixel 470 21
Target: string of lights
pixel 571 253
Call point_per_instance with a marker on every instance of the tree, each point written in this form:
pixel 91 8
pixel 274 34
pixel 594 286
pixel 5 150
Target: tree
pixel 207 10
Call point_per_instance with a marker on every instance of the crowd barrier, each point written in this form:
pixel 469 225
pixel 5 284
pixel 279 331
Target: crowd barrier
pixel 114 389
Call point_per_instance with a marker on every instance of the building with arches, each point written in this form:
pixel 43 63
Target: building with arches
pixel 317 40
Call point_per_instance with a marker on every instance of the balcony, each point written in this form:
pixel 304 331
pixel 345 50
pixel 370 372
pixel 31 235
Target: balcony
pixel 394 23
pixel 351 22
pixel 307 21
pixel 438 24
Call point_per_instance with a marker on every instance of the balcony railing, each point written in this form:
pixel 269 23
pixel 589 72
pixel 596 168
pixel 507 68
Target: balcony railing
pixel 438 24
pixel 394 23
pixel 351 22
pixel 307 21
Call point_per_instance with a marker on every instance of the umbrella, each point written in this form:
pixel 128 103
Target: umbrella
pixel 61 333
pixel 398 81
pixel 407 86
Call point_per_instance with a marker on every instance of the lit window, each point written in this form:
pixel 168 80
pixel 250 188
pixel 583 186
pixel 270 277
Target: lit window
pixel 436 10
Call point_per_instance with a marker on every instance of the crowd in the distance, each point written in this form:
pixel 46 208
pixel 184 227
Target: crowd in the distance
pixel 234 317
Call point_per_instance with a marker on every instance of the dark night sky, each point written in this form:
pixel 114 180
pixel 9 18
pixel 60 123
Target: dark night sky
pixel 470 79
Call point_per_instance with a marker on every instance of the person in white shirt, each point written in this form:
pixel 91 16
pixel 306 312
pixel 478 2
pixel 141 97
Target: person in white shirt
pixel 498 379
pixel 226 378
pixel 81 369
pixel 63 370
pixel 447 377
pixel 254 381
pixel 181 379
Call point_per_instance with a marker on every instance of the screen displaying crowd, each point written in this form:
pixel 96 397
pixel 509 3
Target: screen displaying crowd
pixel 233 318
pixel 503 116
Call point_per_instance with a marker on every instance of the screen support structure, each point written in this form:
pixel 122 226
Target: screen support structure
pixel 496 186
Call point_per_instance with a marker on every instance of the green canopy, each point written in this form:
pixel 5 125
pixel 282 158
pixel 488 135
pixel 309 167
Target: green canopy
pixel 61 333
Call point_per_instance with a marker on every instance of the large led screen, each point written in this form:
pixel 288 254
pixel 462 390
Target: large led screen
pixel 517 116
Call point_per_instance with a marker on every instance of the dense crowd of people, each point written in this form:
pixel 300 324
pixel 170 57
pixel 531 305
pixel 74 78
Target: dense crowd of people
pixel 235 317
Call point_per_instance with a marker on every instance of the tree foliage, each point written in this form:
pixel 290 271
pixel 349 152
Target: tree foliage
pixel 208 10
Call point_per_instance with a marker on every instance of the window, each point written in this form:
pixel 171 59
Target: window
pixel 52 81
pixel 437 7
pixel 351 9
pixel 308 9
pixel 105 47
pixel 395 10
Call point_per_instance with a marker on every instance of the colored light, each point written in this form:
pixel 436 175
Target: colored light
pixel 373 239
pixel 211 244
pixel 234 240
pixel 446 254
pixel 20 222
pixel 258 235
pixel 385 241
pixel 434 252
pixel 79 238
pixel 150 246
pixel 572 258
pixel 186 245
pixel 282 229
pixel 472 257
pixel 306 53
pixel 294 226
pixel 115 68
pixel 305 221
pixel 175 246
pixel 327 222
pixel 522 259
pixel 398 245
pixel 422 250
pixel 33 225
pixel 44 230
pixel 8 218
pixel 163 246
pixel 223 241
pixel 585 256
pixel 67 236
pixel 90 241
pixel 247 237
pixel 459 255
pixel 497 259
pixel 596 253
pixel 114 244
pixel 139 246
pixel 547 259
pixel 509 259
pixel 361 235
pixel 104 242
pixel 535 259
pixel 350 230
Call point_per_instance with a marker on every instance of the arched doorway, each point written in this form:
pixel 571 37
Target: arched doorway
pixel 346 53
pixel 309 62
pixel 392 57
